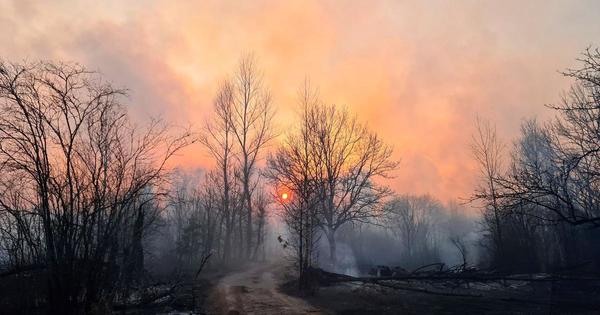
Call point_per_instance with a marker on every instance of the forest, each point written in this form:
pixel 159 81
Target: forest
pixel 301 214
pixel 94 219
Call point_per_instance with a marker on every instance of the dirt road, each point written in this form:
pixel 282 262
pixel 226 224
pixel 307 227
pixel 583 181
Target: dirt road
pixel 255 291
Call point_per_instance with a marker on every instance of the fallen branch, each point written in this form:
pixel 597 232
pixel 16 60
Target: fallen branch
pixel 148 301
pixel 440 265
pixel 420 290
pixel 23 269
pixel 202 263
pixel 439 283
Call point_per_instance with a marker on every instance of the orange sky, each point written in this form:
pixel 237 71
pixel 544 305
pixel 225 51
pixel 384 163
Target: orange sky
pixel 417 72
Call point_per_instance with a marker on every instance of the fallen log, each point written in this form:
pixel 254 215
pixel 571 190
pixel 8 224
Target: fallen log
pixel 421 290
pixel 446 276
pixel 149 301
pixel 327 278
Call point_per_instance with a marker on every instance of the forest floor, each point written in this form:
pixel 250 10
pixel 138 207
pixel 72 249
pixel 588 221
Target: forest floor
pixel 359 298
pixel 267 289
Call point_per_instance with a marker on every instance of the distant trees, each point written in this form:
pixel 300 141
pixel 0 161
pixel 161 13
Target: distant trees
pixel 78 180
pixel 415 221
pixel 413 231
pixel 190 221
pixel 426 231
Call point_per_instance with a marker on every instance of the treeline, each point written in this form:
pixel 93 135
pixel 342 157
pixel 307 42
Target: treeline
pixel 542 203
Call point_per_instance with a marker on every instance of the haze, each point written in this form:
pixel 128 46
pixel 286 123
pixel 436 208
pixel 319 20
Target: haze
pixel 418 73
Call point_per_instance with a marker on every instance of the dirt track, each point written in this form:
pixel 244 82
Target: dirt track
pixel 255 291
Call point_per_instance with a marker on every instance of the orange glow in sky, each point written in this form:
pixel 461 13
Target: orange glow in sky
pixel 418 73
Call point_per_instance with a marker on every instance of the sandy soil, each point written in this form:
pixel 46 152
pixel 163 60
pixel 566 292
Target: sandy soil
pixel 255 290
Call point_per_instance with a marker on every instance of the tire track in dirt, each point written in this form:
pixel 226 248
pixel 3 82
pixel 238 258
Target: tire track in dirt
pixel 255 290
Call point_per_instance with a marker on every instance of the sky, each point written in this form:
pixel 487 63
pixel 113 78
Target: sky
pixel 417 72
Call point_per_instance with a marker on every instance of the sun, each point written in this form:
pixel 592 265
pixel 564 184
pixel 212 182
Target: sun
pixel 284 196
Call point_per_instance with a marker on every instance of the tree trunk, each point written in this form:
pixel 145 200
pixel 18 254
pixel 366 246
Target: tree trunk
pixel 259 238
pixel 332 247
pixel 227 241
pixel 248 200
pixel 137 250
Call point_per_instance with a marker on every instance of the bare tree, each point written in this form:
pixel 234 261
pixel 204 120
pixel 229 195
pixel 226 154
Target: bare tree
pixel 459 243
pixel 74 165
pixel 338 159
pixel 348 158
pixel 292 170
pixel 219 139
pixel 250 120
pixel 487 150
pixel 261 203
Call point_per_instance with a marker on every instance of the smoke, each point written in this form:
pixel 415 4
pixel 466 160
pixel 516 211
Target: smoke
pixel 346 258
pixel 363 246
pixel 411 75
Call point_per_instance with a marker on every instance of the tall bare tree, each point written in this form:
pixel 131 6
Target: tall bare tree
pixel 292 170
pixel 487 150
pixel 219 139
pixel 250 118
